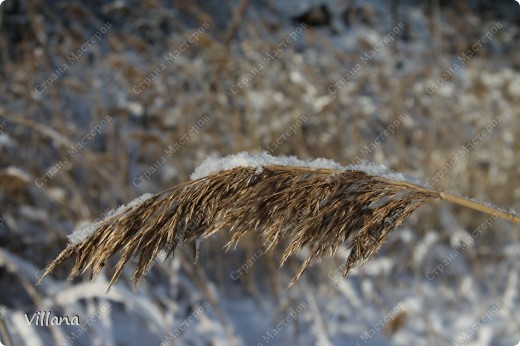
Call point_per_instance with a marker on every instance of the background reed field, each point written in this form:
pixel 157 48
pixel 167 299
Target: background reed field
pixel 103 101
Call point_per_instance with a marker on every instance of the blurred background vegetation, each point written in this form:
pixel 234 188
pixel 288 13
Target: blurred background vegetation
pixel 154 69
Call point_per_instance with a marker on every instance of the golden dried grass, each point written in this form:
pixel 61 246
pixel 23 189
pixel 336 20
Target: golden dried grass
pixel 299 206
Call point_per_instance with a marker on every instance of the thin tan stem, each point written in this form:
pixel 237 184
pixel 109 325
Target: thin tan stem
pixel 7 337
pixel 465 202
pixel 479 206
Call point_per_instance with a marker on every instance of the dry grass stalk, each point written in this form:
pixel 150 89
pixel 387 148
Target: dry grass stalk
pixel 318 208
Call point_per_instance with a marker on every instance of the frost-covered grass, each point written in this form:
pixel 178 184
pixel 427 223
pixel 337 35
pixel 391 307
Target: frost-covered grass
pixel 85 231
pixel 262 159
pixel 279 200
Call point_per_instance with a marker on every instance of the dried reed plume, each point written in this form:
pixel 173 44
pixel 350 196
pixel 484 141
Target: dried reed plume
pixel 301 206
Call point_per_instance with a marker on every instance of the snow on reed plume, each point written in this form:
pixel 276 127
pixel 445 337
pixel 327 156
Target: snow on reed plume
pixel 318 204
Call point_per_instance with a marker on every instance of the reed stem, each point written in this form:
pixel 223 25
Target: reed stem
pixel 479 206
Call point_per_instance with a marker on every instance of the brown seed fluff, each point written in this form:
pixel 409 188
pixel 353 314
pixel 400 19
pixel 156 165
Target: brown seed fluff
pixel 318 208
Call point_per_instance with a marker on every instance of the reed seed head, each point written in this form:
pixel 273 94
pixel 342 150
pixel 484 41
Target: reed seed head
pixel 298 206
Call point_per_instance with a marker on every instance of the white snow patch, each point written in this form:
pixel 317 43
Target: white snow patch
pixel 17 172
pixel 84 232
pixel 259 161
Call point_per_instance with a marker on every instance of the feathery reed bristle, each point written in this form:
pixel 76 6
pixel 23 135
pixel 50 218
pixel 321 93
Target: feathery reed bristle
pixel 317 208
